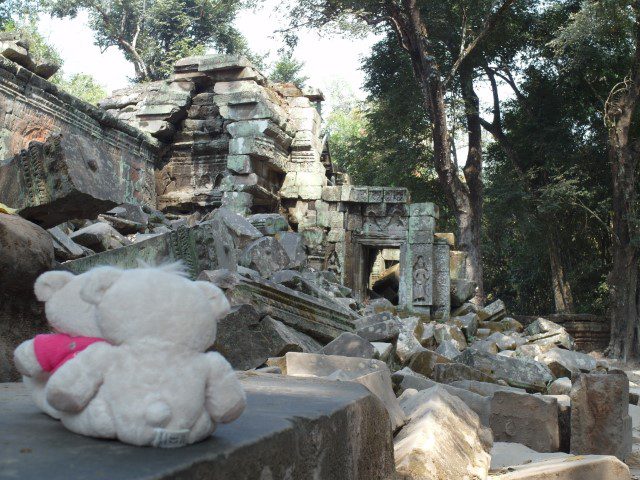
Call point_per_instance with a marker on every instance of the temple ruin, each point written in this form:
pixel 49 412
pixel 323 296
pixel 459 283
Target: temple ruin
pixel 350 286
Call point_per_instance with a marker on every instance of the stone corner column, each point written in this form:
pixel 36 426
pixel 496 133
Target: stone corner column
pixel 600 421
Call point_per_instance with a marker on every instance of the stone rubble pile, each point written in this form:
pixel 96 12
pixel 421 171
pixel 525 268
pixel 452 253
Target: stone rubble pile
pixel 246 198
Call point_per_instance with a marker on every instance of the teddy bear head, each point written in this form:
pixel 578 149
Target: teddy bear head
pixel 154 304
pixel 66 311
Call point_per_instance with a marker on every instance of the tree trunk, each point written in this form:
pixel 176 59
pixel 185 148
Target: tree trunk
pixel 623 279
pixel 562 294
pixel 471 224
pixel 412 34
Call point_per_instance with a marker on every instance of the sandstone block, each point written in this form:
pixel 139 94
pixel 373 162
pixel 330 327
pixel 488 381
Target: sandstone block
pixel 526 419
pixel 247 340
pixel 517 372
pixel 443 438
pixel 349 345
pixel 600 421
pixel 264 255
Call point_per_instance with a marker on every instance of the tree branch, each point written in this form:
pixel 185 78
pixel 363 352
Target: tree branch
pixel 488 27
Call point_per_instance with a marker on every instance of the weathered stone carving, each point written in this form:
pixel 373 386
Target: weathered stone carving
pixel 421 282
pixel 63 158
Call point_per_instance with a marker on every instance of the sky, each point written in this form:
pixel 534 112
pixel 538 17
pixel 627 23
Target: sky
pixel 327 59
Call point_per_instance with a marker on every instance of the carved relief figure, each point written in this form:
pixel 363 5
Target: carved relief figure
pixel 420 280
pixel 332 263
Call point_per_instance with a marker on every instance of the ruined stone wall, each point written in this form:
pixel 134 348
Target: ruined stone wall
pixel 231 137
pixel 54 146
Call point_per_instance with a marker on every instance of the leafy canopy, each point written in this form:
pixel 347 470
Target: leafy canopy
pixel 153 34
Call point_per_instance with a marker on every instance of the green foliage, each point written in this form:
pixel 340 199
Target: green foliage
pixel 82 86
pixel 17 10
pixel 153 34
pixel 39 49
pixel 385 140
pixel 288 70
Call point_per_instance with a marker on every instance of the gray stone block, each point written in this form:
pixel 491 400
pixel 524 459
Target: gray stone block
pixel 517 372
pixel 286 418
pixel 600 421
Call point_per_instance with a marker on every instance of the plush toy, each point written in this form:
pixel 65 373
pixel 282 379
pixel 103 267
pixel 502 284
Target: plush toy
pixel 74 322
pixel 152 383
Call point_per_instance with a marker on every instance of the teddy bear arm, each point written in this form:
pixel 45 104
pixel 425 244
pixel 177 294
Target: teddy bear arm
pixel 225 399
pixel 73 385
pixel 26 361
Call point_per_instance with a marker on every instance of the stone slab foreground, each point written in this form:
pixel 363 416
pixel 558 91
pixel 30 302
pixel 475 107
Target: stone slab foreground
pixel 294 428
pixel 580 467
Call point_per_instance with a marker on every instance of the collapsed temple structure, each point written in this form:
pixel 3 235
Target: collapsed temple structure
pixel 217 133
pixel 349 286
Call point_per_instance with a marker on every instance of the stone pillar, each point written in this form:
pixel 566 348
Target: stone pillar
pixel 418 267
pixel 441 281
pixel 600 421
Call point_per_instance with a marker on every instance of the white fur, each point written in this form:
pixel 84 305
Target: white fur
pixel 66 313
pixel 155 374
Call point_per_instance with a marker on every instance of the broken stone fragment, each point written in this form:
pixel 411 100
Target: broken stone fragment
pixel 600 421
pixel 407 379
pixel 464 309
pixel 316 365
pixel 601 467
pixel 428 337
pixel 452 333
pixel 269 223
pixel 517 372
pixel 379 383
pixel 548 334
pixel 503 342
pixel 27 251
pixel 349 345
pixel 99 237
pixel 528 419
pixel 485 389
pixel 442 439
pixel 448 349
pixel 461 291
pixel 384 351
pixel 264 255
pixel 453 372
pixel 424 362
pixel 560 386
pixel 127 219
pixel 247 340
pixel 408 344
pixel 293 245
pixel 67 177
pixel 485 346
pixel 378 327
pixel 493 312
pixel 468 324
pixel 564 363
pixel 240 229
pixel 222 278
pixel 65 248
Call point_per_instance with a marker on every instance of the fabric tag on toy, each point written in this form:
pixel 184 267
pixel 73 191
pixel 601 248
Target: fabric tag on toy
pixel 170 438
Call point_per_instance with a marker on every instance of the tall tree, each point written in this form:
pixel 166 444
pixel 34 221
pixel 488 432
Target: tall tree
pixel 612 28
pixel 422 29
pixel 153 34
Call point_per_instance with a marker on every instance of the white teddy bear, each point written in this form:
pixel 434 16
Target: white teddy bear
pixel 152 384
pixel 74 322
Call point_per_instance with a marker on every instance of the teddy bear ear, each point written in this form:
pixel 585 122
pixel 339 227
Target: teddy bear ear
pixel 216 297
pixel 98 282
pixel 50 282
